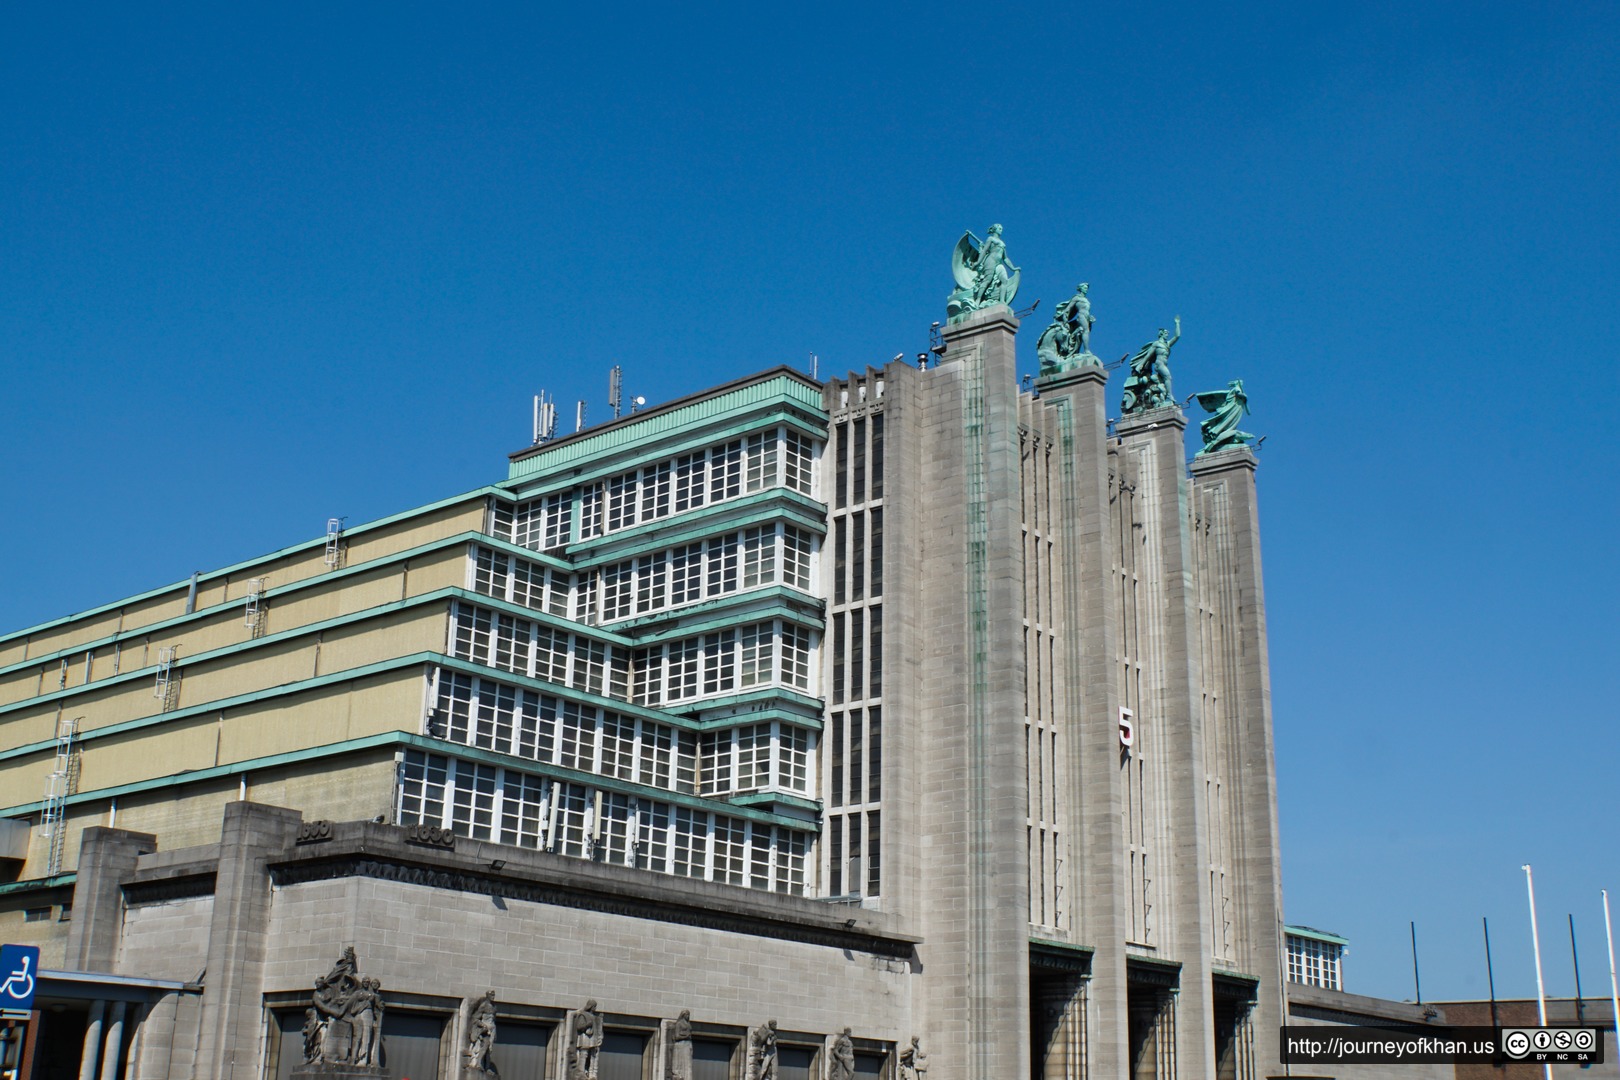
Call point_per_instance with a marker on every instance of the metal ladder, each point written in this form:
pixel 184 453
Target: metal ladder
pixel 58 786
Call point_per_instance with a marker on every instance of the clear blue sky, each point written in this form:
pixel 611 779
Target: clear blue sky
pixel 263 266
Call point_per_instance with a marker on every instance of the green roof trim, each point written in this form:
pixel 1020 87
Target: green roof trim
pixel 234 702
pixel 234 568
pixel 1315 934
pixel 41 884
pixel 397 739
pixel 460 539
pixel 772 504
pixel 774 388
pixel 551 482
pixel 781 602
pixel 607 783
pixel 192 776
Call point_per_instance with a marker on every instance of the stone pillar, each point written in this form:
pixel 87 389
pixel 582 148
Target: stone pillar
pixel 1228 477
pixel 1090 620
pixel 114 1043
pixel 106 858
pixel 1171 728
pixel 976 919
pixel 232 1005
pixel 92 1042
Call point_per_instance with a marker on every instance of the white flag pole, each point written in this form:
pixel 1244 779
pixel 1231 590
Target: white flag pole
pixel 1535 940
pixel 1614 987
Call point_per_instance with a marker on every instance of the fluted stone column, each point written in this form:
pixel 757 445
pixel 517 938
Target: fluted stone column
pixel 975 873
pixel 92 1042
pixel 1172 729
pixel 113 1043
pixel 1096 884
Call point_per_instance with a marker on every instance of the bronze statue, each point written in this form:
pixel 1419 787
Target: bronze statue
pixel 983 273
pixel 1220 431
pixel 1066 343
pixel 1148 385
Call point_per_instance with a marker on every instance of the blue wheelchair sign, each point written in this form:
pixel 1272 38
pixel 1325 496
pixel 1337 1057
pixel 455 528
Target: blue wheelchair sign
pixel 19 975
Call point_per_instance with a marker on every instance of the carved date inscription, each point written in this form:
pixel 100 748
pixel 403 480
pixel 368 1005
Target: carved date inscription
pixel 432 835
pixel 313 832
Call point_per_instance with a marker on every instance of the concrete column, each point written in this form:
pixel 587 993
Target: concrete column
pixel 976 990
pixel 1229 475
pixel 1172 729
pixel 114 1043
pixel 232 1005
pixel 92 1042
pixel 106 858
pixel 1090 637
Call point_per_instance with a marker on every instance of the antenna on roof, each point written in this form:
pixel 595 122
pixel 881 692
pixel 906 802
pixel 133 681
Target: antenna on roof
pixel 616 389
pixel 579 416
pixel 815 365
pixel 545 418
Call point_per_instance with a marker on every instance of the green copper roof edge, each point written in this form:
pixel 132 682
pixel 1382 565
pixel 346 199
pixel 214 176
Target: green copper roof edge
pixel 146 629
pixel 732 701
pixel 39 884
pixel 1232 973
pixel 234 702
pixel 756 797
pixel 184 583
pixel 528 682
pixel 766 715
pixel 556 622
pixel 214 772
pixel 431 745
pixel 775 386
pixel 777 609
pixel 738 602
pixel 799 509
pixel 645 712
pixel 1060 946
pixel 437 595
pixel 538 485
pixel 1315 934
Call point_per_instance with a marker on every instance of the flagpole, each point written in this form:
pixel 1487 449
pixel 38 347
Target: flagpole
pixel 1535 941
pixel 1614 988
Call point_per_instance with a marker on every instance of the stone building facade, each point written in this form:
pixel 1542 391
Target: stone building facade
pixel 907 705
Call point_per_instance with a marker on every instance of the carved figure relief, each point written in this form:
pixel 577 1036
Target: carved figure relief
pixel 680 1047
pixel 481 1033
pixel 842 1063
pixel 914 1061
pixel 343 1026
pixel 762 1052
pixel 584 1043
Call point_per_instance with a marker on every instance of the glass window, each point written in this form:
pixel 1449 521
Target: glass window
pixel 689 481
pixel 761 461
pixel 758 556
pixel 725 471
pixel 798 454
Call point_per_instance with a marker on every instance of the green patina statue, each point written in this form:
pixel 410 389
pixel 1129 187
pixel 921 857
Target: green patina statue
pixel 1221 430
pixel 983 274
pixel 1066 344
pixel 1148 384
